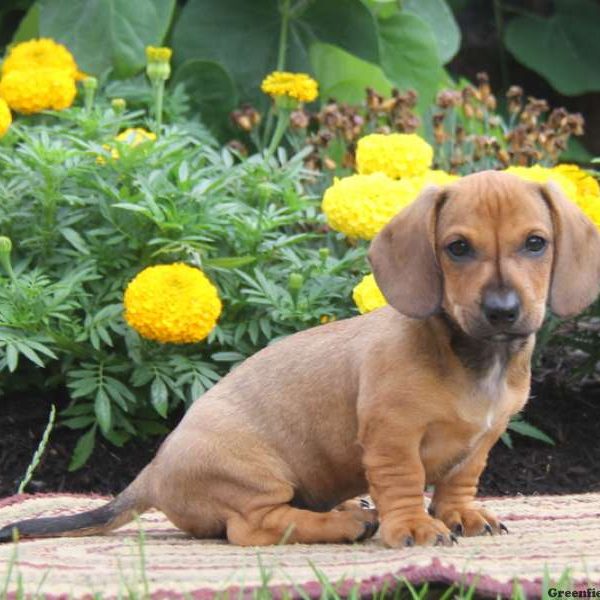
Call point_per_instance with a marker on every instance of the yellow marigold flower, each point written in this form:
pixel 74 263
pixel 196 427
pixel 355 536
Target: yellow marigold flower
pixel 434 177
pixel 590 205
pixel 586 184
pixel 5 117
pixel 36 90
pixel 395 154
pixel 40 54
pixel 588 189
pixel 172 303
pixel 158 54
pixel 299 86
pixel 360 205
pixel 134 136
pixel 541 174
pixel 367 296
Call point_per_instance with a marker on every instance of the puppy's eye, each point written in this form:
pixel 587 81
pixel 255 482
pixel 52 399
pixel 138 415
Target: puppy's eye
pixel 535 244
pixel 459 249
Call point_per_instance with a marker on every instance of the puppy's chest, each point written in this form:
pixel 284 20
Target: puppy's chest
pixel 478 410
pixel 487 399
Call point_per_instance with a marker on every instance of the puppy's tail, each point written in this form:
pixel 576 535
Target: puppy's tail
pixel 116 513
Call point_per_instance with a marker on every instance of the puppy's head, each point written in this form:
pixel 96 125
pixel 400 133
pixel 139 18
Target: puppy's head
pixel 490 251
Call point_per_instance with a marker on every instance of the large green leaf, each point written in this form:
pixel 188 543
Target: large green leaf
pixel 439 17
pixel 107 34
pixel 210 88
pixel 409 55
pixel 29 27
pixel 244 36
pixel 344 23
pixel 345 77
pixel 565 48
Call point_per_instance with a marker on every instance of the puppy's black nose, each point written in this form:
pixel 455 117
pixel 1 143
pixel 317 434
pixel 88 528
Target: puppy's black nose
pixel 501 307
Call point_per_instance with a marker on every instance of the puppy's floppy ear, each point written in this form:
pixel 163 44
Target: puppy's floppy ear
pixel 576 269
pixel 402 257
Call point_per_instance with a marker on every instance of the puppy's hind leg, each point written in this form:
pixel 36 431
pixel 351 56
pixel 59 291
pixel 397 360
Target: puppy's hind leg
pixel 285 524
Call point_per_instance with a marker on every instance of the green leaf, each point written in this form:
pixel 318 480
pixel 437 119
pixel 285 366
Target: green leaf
pixel 76 410
pixel 531 431
pixel 244 36
pixel 343 23
pixel 29 27
pixel 507 439
pixel 345 77
pixel 83 449
pixel 74 239
pixel 118 438
pixel 102 408
pixel 12 357
pixel 229 262
pixel 159 396
pixel 210 88
pixel 78 422
pixel 227 356
pixel 28 352
pixel 409 55
pixel 107 34
pixel 439 17
pixel 564 48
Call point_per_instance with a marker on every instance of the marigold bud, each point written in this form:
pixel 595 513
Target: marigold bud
pixel 158 67
pixel 118 105
pixel 5 245
pixel 295 281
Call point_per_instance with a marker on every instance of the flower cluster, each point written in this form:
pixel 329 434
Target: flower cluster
pixel 533 133
pixel 577 185
pixel 367 296
pixel 360 205
pixel 5 117
pixel 172 303
pixel 132 136
pixel 297 86
pixel 39 75
pixel 397 155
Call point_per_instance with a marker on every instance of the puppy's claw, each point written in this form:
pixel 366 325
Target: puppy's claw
pixel 503 528
pixel 439 540
pixel 409 541
pixel 453 538
pixel 370 530
pixel 364 503
pixel 458 529
pixel 487 528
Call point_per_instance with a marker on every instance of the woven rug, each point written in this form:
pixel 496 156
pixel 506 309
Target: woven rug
pixel 150 558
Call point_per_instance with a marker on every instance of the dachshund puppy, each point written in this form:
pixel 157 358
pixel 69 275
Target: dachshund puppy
pixel 412 394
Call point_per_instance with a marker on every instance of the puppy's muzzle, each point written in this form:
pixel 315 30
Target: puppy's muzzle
pixel 501 311
pixel 501 308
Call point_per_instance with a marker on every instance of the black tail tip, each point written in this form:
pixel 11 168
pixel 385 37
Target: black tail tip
pixel 9 534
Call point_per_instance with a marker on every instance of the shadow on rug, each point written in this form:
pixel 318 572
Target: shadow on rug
pixel 548 534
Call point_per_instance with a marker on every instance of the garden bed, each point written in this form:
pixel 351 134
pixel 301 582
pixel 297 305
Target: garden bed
pixel 532 467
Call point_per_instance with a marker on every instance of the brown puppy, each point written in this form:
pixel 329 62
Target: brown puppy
pixel 412 394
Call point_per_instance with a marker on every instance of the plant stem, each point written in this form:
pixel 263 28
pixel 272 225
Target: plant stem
pixel 280 128
pixel 159 92
pixel 283 35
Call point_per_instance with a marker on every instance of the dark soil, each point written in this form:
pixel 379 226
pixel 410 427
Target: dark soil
pixel 571 418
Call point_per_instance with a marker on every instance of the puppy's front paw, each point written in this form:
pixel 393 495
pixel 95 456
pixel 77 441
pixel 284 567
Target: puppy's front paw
pixel 422 530
pixel 470 520
pixel 363 511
